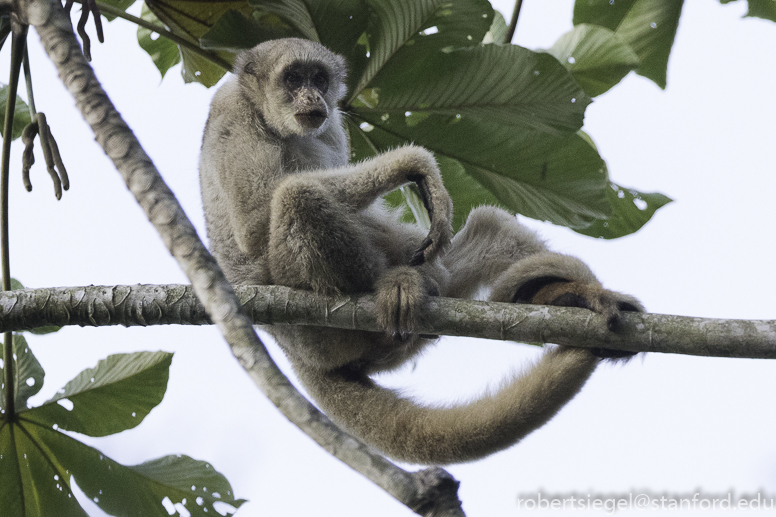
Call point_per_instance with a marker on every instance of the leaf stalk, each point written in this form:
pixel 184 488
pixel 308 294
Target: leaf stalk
pixel 18 45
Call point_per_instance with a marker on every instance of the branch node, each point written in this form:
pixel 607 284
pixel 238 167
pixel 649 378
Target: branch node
pixel 437 494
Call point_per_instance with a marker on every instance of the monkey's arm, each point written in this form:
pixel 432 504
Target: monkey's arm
pixel 239 185
pixel 358 185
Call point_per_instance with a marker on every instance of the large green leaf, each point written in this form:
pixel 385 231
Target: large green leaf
pixel 21 114
pixel 191 20
pixel 194 18
pixel 759 8
pixel 762 9
pixel 498 29
pixel 559 179
pixel 499 119
pixel 164 53
pixel 418 27
pixel 115 395
pixel 235 30
pixel 199 69
pixel 647 26
pixel 38 464
pixel 508 85
pixel 597 57
pixel 28 375
pixel 630 211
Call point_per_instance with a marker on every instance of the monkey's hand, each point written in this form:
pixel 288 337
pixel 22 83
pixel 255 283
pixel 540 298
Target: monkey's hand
pixel 424 172
pixel 553 279
pixel 401 292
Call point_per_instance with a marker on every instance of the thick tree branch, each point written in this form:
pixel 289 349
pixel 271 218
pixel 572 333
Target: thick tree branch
pixel 176 305
pixel 431 492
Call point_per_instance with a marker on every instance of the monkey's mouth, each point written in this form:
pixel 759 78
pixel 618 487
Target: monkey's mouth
pixel 311 119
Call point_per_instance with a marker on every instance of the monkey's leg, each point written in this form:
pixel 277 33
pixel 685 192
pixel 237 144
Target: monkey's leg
pixel 488 244
pixel 493 249
pixel 318 243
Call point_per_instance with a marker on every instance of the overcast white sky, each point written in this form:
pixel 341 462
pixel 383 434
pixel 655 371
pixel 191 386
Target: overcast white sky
pixel 664 423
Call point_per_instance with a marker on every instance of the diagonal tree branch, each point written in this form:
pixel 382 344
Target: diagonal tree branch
pixel 432 492
pixel 142 305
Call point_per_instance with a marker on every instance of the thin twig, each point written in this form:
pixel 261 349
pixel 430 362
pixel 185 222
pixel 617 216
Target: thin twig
pixel 513 22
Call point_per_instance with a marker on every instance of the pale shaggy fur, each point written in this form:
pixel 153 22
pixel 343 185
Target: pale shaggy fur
pixel 283 206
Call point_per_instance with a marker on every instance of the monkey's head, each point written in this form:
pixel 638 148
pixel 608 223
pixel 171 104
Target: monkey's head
pixel 294 83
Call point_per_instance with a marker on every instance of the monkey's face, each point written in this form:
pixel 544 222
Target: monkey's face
pixel 294 83
pixel 306 85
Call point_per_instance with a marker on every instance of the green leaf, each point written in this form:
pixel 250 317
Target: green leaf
pixel 630 211
pixel 762 9
pixel 560 179
pixel 647 26
pixel 499 120
pixel 597 57
pixel 33 482
pixel 235 30
pixel 164 53
pixel 38 464
pixel 42 331
pixel 401 30
pixel 191 478
pixel 114 396
pixel 197 68
pixel 191 20
pixel 468 192
pixel 297 12
pixel 122 5
pixel 498 29
pixel 336 24
pixel 15 284
pixel 21 115
pixel 28 374
pixel 194 18
pixel 505 84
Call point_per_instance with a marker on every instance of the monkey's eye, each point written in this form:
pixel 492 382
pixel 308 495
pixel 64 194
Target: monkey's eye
pixel 321 81
pixel 293 79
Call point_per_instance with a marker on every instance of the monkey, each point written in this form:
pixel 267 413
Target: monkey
pixel 284 206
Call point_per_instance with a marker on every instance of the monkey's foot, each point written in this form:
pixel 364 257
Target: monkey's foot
pixel 400 294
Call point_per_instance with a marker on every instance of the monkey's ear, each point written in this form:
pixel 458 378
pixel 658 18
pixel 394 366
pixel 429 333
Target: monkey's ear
pixel 245 63
pixel 249 68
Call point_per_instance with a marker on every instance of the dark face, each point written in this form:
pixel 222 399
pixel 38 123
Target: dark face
pixel 306 85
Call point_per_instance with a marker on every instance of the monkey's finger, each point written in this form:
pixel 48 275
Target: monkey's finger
pixel 97 19
pixel 49 158
pixel 28 158
pixel 59 163
pixel 87 44
pixel 419 257
pixel 51 150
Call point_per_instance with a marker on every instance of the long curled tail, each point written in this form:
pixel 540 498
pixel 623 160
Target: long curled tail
pixel 406 431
